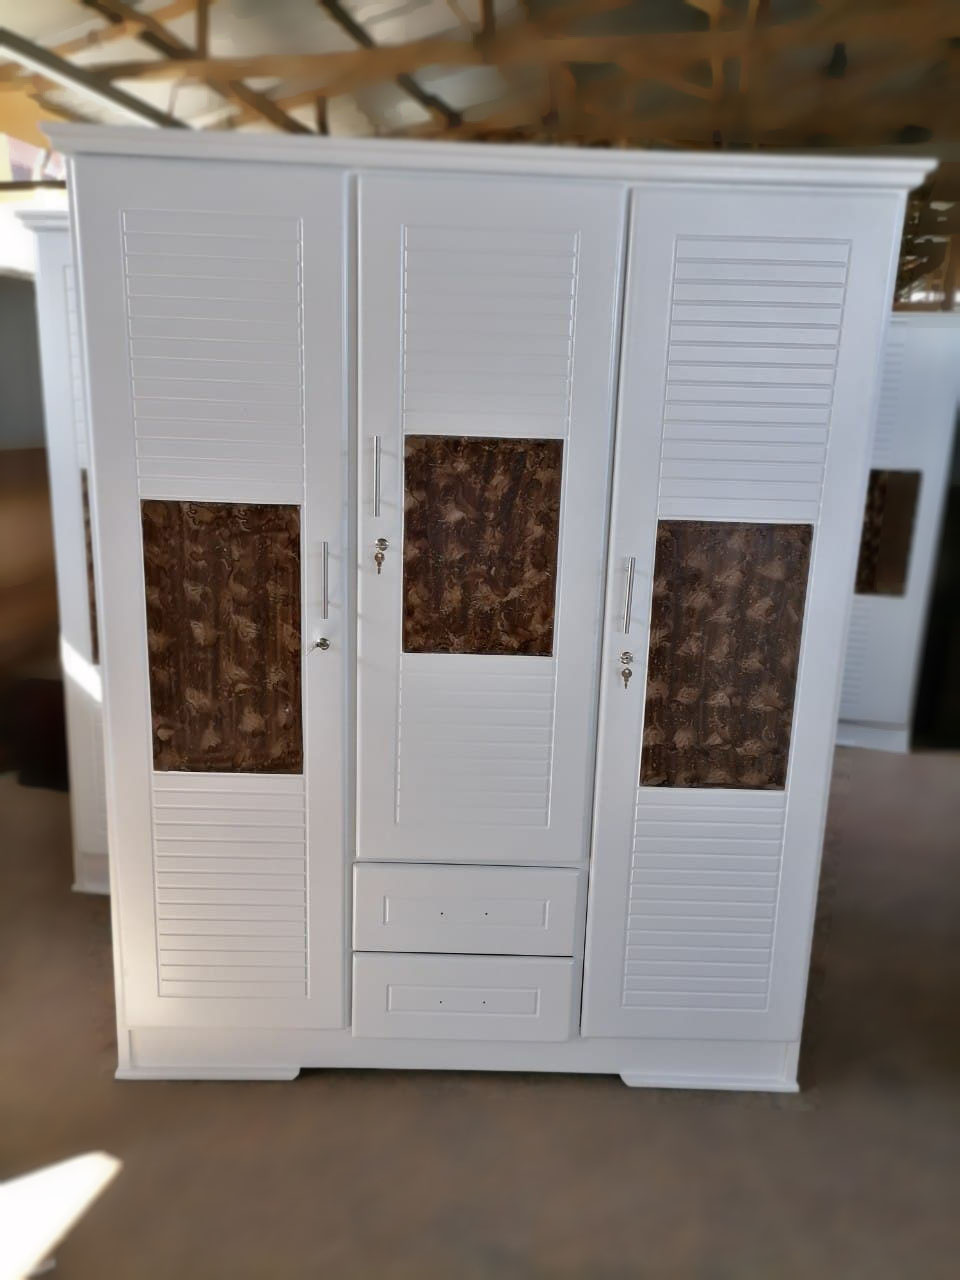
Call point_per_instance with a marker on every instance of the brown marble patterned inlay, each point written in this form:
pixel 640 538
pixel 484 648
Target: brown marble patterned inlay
pixel 724 645
pixel 887 532
pixel 223 624
pixel 91 582
pixel 481 525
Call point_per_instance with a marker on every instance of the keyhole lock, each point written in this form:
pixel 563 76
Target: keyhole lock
pixel 625 671
pixel 378 555
pixel 322 643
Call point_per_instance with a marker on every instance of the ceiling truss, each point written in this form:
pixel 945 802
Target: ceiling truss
pixel 842 72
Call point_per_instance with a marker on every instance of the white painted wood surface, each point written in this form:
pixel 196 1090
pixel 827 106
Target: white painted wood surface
pixel 453 997
pixel 519 911
pixel 915 429
pixel 133 398
pixel 65 426
pixel 465 757
pixel 756 299
pixel 698 991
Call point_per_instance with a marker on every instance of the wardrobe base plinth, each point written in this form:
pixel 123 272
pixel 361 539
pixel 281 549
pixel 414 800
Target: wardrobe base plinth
pixel 206 1073
pixel 875 737
pixel 168 1053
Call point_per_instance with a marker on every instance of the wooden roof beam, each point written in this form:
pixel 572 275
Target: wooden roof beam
pixel 177 51
pixel 924 25
pixel 429 101
pixel 71 76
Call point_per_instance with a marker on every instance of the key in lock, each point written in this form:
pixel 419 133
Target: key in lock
pixel 379 556
pixel 625 671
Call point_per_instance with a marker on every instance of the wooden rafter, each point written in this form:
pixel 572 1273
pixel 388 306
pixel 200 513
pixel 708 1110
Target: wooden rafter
pixel 868 69
pixel 175 51
pixel 922 26
pixel 62 72
pixel 429 101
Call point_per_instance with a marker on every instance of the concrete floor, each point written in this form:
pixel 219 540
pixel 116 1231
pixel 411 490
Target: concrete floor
pixel 368 1174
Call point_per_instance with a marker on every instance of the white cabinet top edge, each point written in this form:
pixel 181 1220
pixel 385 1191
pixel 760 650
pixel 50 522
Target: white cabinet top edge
pixel 928 319
pixel 44 219
pixel 809 170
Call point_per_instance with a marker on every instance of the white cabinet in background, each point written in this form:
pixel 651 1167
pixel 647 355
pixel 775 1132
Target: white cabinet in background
pixel 910 471
pixel 68 461
pixel 479 521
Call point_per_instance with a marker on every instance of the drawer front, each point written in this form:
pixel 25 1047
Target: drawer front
pixel 520 911
pixel 463 997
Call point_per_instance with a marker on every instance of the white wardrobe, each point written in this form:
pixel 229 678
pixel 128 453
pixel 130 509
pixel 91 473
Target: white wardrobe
pixel 910 472
pixel 61 358
pixel 477 529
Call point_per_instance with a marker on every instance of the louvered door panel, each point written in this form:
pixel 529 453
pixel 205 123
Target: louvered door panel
pixel 746 417
pixel 748 371
pixel 220 452
pixel 487 340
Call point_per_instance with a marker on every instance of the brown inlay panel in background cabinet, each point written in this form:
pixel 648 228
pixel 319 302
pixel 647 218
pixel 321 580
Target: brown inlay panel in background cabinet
pixel 887 532
pixel 91 582
pixel 725 630
pixel 223 624
pixel 481 525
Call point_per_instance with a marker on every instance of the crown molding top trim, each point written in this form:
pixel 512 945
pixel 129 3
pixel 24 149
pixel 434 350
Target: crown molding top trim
pixel 711 167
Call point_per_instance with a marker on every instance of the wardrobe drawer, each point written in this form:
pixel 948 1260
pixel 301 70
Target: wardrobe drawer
pixel 463 997
pixel 521 911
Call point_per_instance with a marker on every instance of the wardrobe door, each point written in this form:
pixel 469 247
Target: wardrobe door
pixel 488 314
pixel 213 300
pixel 753 323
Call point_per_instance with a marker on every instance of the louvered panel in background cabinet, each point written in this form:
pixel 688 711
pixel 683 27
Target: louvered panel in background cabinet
pixel 213 299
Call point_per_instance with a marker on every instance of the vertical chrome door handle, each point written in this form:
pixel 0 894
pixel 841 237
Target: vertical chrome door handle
pixel 324 579
pixel 376 476
pixel 628 602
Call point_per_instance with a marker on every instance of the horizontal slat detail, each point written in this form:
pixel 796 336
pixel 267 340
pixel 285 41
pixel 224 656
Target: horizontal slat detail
pixel 240 989
pixel 516 293
pixel 232 248
pixel 475 739
pixel 749 382
pixel 207 957
pixel 215 334
pixel 488 240
pixel 713 1001
pixel 236 912
pixel 802 335
pixel 179 489
pixel 218 224
pixel 230 885
pixel 748 352
pixel 751 249
pixel 285 935
pixel 805 273
pixel 702 899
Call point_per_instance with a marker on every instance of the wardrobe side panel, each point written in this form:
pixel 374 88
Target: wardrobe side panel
pixel 213 299
pixel 753 322
pixel 916 419
pixel 65 428
pixel 488 314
